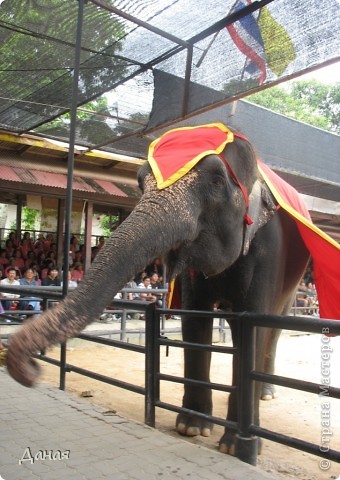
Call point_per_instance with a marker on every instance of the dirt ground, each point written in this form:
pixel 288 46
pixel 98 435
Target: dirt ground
pixel 292 413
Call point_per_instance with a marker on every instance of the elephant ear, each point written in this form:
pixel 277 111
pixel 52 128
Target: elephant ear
pixel 261 209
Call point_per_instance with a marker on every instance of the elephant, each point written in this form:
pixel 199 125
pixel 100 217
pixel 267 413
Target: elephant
pixel 220 232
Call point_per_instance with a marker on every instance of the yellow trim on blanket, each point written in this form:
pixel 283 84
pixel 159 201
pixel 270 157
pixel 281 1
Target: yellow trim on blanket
pixel 296 214
pixel 171 292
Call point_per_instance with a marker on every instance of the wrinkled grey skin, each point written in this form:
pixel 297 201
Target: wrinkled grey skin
pixel 196 224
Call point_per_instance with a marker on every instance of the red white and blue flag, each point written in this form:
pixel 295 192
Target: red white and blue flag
pixel 246 35
pixel 263 41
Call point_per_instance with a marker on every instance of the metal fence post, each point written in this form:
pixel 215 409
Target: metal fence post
pixel 150 349
pixel 246 445
pixel 62 371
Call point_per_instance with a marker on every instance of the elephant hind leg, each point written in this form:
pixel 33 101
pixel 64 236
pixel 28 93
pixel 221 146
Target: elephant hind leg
pixel 268 390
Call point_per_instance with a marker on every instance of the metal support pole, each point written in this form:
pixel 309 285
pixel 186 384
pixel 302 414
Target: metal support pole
pixel 123 326
pixel 70 165
pixel 246 445
pixel 88 234
pixel 60 230
pixel 70 158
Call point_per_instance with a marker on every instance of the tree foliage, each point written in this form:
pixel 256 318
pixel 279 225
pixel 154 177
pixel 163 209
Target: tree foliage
pixel 108 224
pixel 312 102
pixel 29 218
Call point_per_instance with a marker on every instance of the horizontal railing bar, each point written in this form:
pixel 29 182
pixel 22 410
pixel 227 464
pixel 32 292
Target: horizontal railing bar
pixel 197 383
pixel 219 421
pixel 93 375
pixel 105 379
pixel 289 441
pixel 112 343
pixel 42 291
pixel 197 346
pixel 296 323
pixel 296 384
pixel 304 324
pixel 46 359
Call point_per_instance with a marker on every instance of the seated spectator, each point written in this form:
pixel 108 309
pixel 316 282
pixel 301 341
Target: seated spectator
pixel 140 277
pixel 302 286
pixel 71 283
pixel 149 297
pixel 78 257
pixel 35 267
pixel 13 238
pixel 51 278
pixel 19 261
pixel 131 295
pixel 155 283
pixel 9 297
pixel 30 258
pixel 94 253
pixel 26 239
pixel 10 248
pixel 4 259
pixel 51 257
pixel 12 264
pixel 311 298
pixel 38 248
pixel 47 243
pixel 24 249
pixel 41 259
pixel 46 267
pixel 74 247
pixel 30 280
pixel 155 267
pixel 101 243
pixel 53 248
pixel 40 240
pixel 78 272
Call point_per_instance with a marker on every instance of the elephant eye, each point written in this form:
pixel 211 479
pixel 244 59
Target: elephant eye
pixel 219 181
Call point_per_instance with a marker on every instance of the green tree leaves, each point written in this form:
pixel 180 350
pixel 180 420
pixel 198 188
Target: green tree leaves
pixel 312 102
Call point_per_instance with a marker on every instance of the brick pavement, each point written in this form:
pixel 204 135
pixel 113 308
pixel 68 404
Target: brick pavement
pixel 48 434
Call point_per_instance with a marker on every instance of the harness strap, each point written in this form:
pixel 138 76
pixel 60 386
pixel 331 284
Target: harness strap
pixel 247 218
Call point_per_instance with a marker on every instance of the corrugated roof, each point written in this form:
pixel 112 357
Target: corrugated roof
pixel 8 173
pixel 111 188
pixel 59 180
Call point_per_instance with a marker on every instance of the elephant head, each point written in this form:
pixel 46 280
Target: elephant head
pixel 197 223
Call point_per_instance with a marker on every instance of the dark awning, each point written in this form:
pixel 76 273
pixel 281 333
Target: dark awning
pixel 200 56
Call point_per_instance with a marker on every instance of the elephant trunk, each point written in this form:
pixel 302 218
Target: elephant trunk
pixel 149 232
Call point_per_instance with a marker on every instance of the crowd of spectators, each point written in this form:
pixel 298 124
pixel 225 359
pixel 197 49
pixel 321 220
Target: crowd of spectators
pixel 34 263
pixel 306 295
pixel 27 262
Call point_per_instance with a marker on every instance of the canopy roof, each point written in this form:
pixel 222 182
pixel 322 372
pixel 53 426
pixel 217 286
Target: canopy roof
pixel 149 62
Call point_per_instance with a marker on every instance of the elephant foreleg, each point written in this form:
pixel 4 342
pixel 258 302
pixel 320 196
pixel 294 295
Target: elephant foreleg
pixel 197 366
pixel 227 441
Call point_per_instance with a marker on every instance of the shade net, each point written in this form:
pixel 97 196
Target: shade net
pixel 148 63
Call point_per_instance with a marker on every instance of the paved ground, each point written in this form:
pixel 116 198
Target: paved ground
pixel 48 434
